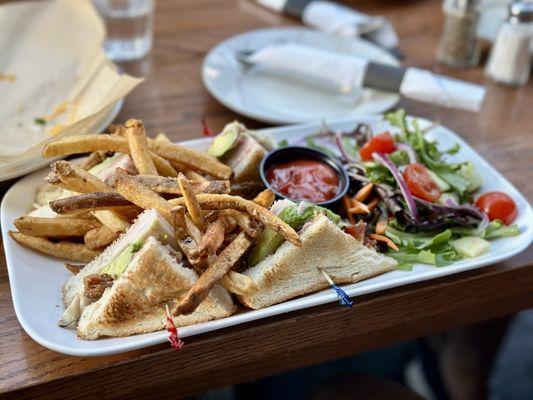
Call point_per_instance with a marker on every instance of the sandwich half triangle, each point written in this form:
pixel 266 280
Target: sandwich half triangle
pixel 294 271
pixel 136 301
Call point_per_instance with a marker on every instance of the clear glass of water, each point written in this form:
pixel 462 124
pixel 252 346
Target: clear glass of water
pixel 129 27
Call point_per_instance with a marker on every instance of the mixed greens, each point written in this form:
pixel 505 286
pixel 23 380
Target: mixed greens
pixel 421 203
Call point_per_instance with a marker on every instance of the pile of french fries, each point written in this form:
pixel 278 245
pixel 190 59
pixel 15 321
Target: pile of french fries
pixel 190 189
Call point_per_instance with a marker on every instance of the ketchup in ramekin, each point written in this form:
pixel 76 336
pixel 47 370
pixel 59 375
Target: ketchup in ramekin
pixel 304 179
pixel 304 174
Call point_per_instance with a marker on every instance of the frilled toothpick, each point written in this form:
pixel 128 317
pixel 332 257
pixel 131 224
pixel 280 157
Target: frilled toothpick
pixel 173 336
pixel 344 298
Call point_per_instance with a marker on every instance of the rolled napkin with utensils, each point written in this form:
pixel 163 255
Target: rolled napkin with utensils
pixel 337 19
pixel 344 73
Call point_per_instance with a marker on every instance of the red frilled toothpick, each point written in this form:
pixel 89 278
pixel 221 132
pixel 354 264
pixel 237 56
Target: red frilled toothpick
pixel 173 336
pixel 206 130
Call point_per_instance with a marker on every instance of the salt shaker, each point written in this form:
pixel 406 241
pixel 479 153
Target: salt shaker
pixel 459 46
pixel 509 61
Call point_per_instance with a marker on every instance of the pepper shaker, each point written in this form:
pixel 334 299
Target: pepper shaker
pixel 459 46
pixel 510 60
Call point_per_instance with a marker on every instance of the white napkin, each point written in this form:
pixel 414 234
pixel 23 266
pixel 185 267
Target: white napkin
pixel 340 20
pixel 341 72
pixel 344 73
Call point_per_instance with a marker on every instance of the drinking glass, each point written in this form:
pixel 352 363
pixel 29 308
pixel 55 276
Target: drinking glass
pixel 129 27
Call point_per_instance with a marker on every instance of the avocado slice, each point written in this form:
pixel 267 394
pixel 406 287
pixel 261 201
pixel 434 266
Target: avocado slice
pixel 119 264
pixel 269 240
pixel 226 140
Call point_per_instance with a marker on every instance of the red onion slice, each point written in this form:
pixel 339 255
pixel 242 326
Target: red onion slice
pixel 409 150
pixel 342 149
pixel 386 161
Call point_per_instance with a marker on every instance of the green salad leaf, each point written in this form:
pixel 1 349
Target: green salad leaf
pixel 310 142
pixel 495 229
pixel 422 248
pixel 350 146
pixel 429 154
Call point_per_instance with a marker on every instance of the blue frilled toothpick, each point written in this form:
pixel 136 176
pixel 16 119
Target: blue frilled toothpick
pixel 344 298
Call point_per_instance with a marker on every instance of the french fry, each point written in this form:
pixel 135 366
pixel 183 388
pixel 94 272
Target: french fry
pixel 178 214
pixel 265 198
pixel 74 268
pixel 191 203
pixel 89 202
pixel 195 176
pixel 162 137
pixel 113 220
pixel 164 167
pixel 267 218
pixel 138 143
pixel 95 158
pixel 193 230
pixel 220 267
pixel 235 282
pixel 247 190
pixel 244 221
pixel 72 177
pixel 85 144
pixel 162 184
pixel 63 249
pixel 143 196
pixel 117 129
pixel 91 143
pixel 99 238
pixel 213 238
pixel 192 158
pixel 55 227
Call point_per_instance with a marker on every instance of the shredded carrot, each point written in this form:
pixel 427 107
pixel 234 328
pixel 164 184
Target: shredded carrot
pixel 373 204
pixel 358 208
pixel 380 226
pixel 364 192
pixel 385 239
pixel 346 203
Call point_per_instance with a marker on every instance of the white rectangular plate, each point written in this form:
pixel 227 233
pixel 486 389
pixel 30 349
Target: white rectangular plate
pixel 36 280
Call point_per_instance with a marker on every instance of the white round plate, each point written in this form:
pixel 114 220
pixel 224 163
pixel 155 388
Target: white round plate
pixel 33 164
pixel 258 94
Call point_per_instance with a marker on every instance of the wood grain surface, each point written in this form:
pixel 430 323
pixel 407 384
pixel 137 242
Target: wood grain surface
pixel 173 100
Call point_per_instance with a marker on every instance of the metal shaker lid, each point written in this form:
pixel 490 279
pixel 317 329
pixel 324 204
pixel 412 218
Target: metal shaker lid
pixel 520 12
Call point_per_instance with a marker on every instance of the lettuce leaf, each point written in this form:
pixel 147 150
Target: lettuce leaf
pixel 295 216
pixel 495 229
pixel 422 248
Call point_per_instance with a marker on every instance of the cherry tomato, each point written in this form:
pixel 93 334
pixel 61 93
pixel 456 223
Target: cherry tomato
pixel 497 205
pixel 420 182
pixel 382 143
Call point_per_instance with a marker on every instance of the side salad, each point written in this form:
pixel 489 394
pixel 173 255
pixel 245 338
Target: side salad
pixel 409 200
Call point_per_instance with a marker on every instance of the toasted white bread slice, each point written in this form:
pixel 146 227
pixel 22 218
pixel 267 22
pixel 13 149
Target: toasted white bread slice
pixel 149 223
pixel 293 271
pixel 136 301
pixel 245 158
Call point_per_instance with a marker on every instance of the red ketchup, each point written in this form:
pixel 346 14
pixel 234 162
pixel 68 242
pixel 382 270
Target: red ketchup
pixel 304 179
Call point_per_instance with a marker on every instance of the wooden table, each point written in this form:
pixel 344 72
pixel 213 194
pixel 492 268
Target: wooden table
pixel 174 100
